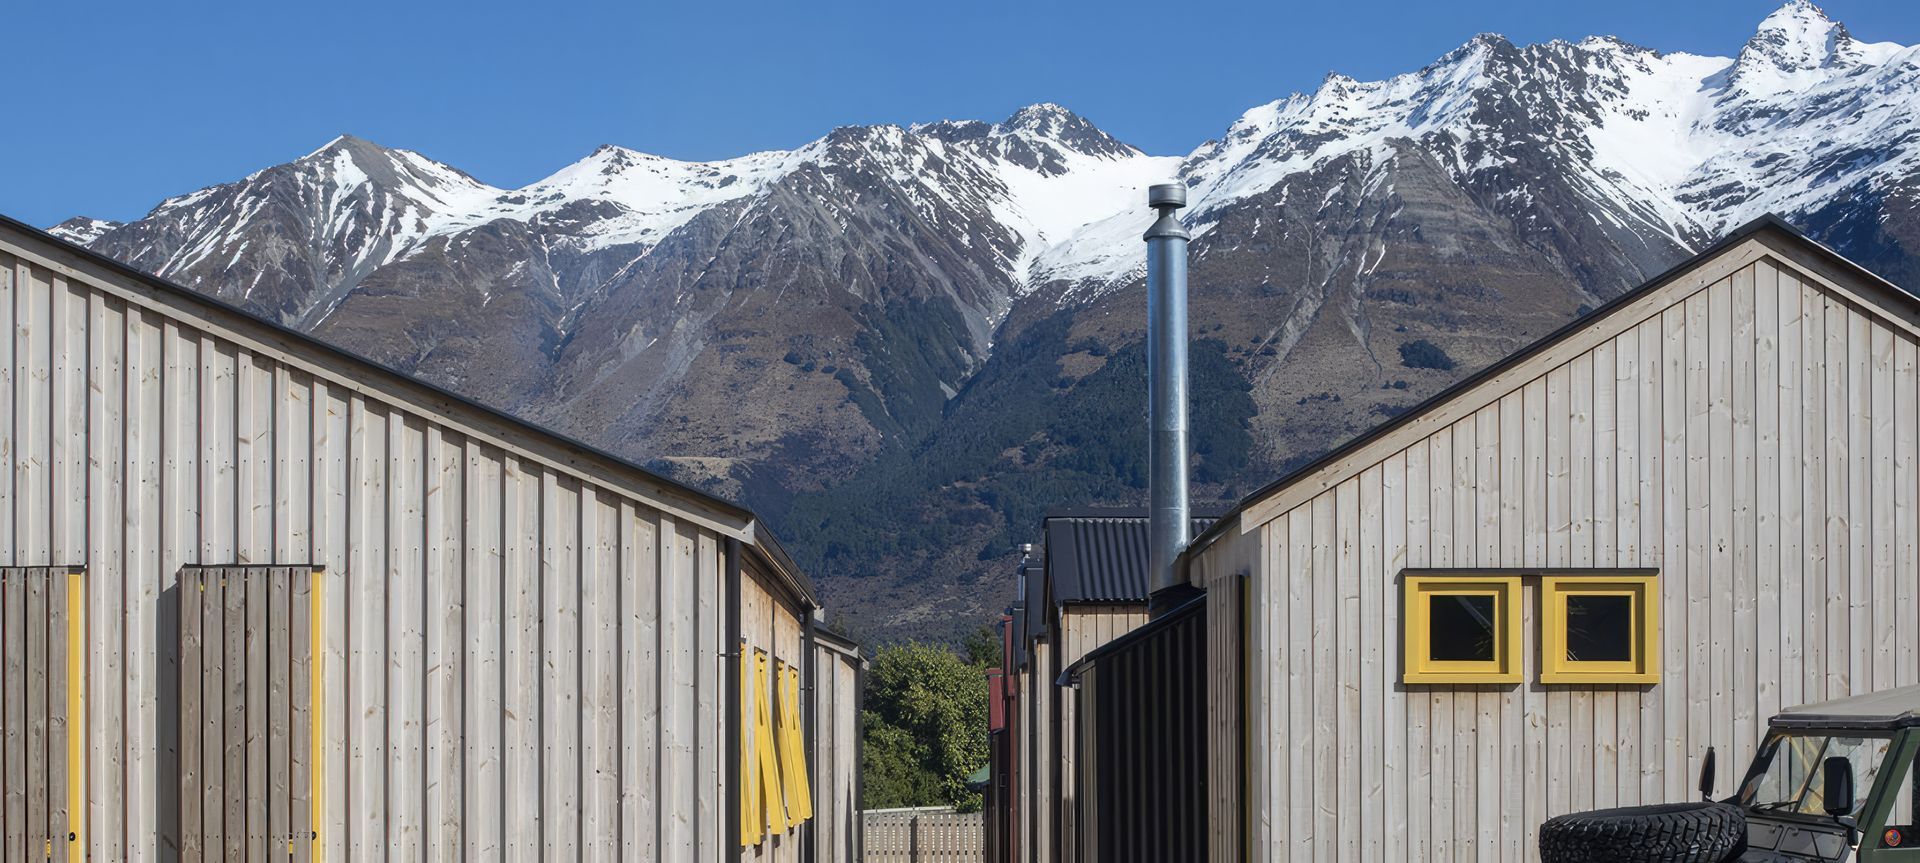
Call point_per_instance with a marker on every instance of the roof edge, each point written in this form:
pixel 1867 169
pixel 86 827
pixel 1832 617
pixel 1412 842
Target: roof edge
pixel 221 313
pixel 1768 224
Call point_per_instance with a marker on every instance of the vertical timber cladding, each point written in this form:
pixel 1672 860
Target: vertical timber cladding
pixel 1747 426
pixel 1143 739
pixel 250 708
pixel 838 665
pixel 43 633
pixel 523 648
pixel 775 799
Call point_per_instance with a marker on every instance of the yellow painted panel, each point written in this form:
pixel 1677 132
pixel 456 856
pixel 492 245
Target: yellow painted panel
pixel 317 713
pixel 773 816
pixel 1642 590
pixel 793 749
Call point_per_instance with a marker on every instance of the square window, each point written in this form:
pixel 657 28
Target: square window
pixel 1462 629
pixel 1600 629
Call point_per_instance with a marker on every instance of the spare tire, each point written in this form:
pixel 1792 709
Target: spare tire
pixel 1668 833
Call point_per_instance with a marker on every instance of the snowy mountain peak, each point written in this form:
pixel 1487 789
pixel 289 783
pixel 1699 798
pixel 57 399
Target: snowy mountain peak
pixel 1792 47
pixel 1042 137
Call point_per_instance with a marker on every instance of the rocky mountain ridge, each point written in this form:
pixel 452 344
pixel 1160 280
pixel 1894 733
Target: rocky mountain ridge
pixel 903 343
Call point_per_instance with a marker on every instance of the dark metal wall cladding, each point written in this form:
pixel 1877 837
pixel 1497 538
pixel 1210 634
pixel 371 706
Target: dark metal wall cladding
pixel 1143 743
pixel 1100 558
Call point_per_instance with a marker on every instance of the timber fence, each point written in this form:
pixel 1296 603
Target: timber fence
pixel 927 835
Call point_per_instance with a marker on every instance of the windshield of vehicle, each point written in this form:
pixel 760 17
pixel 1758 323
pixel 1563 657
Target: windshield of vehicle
pixel 1792 780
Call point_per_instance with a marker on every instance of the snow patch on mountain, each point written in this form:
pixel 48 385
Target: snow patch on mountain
pixel 82 230
pixel 654 194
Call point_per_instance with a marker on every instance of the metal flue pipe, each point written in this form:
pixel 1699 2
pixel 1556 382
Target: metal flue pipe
pixel 1167 522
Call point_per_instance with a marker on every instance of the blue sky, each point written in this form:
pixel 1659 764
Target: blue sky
pixel 125 104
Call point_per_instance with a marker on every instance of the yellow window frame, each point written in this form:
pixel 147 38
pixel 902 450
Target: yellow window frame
pixel 1642 590
pixel 1420 666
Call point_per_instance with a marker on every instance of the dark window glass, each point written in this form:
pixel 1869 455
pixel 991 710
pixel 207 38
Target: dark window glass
pixel 1599 628
pixel 1461 628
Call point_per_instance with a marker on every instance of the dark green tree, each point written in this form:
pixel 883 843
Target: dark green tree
pixel 926 727
pixel 983 647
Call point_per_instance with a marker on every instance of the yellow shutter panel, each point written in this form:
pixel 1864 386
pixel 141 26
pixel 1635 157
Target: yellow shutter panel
pixel 763 746
pixel 752 821
pixel 793 749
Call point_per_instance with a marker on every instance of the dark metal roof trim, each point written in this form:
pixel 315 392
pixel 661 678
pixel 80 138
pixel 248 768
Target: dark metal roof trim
pixel 1769 223
pixel 1099 557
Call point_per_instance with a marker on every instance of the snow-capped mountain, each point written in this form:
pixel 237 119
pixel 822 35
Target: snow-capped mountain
pixel 903 312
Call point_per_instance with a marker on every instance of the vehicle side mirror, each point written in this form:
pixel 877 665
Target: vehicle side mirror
pixel 1837 774
pixel 1707 776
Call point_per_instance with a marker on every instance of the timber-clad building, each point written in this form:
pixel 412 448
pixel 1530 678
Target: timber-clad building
pixel 260 597
pixel 1552 587
pixel 1549 588
pixel 1083 586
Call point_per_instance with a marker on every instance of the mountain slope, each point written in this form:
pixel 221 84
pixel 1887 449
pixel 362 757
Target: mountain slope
pixel 904 343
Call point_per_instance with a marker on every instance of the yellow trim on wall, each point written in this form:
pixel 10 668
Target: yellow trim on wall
pixel 317 713
pixel 793 748
pixel 1421 667
pixel 77 712
pixel 1644 593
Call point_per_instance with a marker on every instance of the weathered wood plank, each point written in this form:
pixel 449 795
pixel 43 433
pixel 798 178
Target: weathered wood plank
pixel 1837 655
pixel 102 799
pixel 1698 538
pixel 520 709
pixel 1790 522
pixel 258 707
pixel 560 608
pixel 406 633
pixel 1344 633
pixel 179 543
pixel 1737 514
pixel 1906 494
pixel 37 655
pixel 301 774
pixel 1860 644
pixel 600 710
pixel 1813 448
pixel 483 668
pixel 639 680
pixel 1881 530
pixel 190 593
pixel 1366 615
pixel 1652 502
pixel 1767 506
pixel 444 610
pixel 60 684
pixel 14 591
pixel 279 613
pixel 366 626
pixel 235 735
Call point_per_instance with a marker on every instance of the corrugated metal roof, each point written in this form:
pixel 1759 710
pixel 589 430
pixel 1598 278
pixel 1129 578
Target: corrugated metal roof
pixel 1098 557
